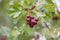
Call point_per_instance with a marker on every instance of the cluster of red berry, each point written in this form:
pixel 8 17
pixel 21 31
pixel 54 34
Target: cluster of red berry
pixel 31 21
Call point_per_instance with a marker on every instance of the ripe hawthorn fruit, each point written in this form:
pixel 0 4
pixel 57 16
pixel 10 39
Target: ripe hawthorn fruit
pixel 36 19
pixel 31 25
pixel 31 20
pixel 28 16
pixel 32 17
pixel 28 19
pixel 34 22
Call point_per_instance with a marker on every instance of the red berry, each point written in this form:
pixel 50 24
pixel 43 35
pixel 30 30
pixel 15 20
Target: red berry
pixel 28 16
pixel 29 22
pixel 32 17
pixel 36 19
pixel 31 25
pixel 28 19
pixel 34 22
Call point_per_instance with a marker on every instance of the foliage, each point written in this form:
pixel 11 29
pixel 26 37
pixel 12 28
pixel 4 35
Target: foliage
pixel 44 10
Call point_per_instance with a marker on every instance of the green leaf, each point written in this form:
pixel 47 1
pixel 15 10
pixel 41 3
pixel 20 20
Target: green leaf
pixel 49 1
pixel 16 14
pixel 15 33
